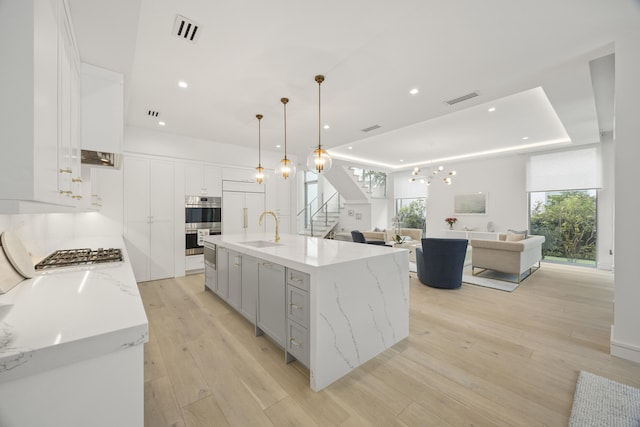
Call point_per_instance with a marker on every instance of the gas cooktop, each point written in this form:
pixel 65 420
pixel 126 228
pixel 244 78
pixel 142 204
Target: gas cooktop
pixel 74 257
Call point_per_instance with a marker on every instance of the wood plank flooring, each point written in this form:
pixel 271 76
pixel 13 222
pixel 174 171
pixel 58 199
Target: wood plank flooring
pixel 474 357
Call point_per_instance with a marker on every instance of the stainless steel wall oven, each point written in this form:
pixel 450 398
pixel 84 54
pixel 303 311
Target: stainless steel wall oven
pixel 203 216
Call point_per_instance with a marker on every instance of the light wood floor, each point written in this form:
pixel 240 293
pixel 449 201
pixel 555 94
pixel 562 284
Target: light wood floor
pixel 475 356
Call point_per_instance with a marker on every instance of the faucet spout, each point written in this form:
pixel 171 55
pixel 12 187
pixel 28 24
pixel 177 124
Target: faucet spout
pixel 274 217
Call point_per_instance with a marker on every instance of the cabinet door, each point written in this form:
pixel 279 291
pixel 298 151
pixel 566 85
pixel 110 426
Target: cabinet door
pixel 233 213
pixel 271 301
pixel 212 181
pixel 235 279
pixel 161 207
pixel 136 215
pixel 222 265
pixel 193 176
pixel 249 293
pixel 254 203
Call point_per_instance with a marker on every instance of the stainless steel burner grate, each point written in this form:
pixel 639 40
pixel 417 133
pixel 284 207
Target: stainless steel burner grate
pixel 71 257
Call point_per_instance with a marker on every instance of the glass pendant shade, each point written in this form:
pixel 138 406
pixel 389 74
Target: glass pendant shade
pixel 319 160
pixel 259 174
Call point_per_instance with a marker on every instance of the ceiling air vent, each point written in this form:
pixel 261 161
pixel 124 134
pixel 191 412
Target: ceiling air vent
pixel 186 29
pixel 152 113
pixel 462 98
pixel 370 128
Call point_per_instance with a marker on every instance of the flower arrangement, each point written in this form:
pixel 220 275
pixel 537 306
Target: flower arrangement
pixel 451 221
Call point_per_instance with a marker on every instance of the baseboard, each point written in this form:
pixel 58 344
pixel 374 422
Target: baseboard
pixel 605 266
pixel 624 350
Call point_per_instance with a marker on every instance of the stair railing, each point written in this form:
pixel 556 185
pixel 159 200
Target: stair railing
pixel 334 201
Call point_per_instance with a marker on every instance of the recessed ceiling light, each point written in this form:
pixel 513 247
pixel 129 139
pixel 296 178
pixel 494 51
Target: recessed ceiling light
pixel 525 138
pixel 327 126
pixel 492 109
pixel 161 123
pixel 401 160
pixel 278 146
pixel 350 148
pixel 414 91
pixel 182 84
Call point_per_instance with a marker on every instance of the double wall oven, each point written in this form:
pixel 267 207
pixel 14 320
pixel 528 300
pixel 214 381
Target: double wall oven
pixel 203 217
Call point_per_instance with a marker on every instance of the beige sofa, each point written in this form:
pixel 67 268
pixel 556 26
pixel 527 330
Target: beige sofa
pixel 389 235
pixel 506 257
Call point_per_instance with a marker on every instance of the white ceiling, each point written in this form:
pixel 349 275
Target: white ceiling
pixel 529 60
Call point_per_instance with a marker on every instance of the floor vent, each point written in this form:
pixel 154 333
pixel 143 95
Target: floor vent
pixel 152 113
pixel 462 98
pixel 370 128
pixel 186 29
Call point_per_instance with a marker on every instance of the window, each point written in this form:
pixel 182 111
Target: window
pixel 411 213
pixel 567 220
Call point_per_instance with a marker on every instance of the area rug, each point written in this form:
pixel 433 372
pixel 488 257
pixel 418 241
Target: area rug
pixel 600 401
pixel 493 279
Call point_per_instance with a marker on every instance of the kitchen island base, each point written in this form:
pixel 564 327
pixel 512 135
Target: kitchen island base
pixel 344 303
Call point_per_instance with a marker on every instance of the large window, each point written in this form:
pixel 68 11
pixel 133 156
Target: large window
pixel 567 220
pixel 411 213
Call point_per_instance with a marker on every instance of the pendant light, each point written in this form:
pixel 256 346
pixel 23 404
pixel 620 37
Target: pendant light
pixel 286 167
pixel 259 169
pixel 319 159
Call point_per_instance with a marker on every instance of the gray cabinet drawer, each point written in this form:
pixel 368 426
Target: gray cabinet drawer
pixel 298 342
pixel 298 305
pixel 298 279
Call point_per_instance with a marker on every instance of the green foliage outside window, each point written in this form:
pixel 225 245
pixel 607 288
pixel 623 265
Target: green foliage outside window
pixel 568 222
pixel 412 215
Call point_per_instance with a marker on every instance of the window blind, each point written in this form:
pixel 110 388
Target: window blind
pixel 565 170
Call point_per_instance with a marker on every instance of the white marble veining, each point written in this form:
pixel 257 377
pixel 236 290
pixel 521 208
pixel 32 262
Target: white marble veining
pixel 358 297
pixel 62 316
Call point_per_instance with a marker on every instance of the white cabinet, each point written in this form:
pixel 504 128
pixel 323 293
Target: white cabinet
pixel 39 108
pixel 298 316
pixel 242 204
pixel 148 217
pixel 271 301
pixel 102 109
pixel 202 180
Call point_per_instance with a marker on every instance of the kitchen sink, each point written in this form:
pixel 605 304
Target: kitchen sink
pixel 260 244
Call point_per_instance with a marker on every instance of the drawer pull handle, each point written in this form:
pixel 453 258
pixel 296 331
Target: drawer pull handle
pixel 295 343
pixel 295 279
pixel 267 264
pixel 67 170
pixel 296 306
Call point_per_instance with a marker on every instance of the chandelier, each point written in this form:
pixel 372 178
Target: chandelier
pixel 259 169
pixel 319 159
pixel 286 166
pixel 426 179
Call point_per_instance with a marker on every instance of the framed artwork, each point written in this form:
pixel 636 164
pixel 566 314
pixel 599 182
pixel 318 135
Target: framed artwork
pixel 470 204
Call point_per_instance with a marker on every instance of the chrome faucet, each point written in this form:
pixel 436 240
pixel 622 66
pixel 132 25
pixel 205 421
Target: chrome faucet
pixel 274 217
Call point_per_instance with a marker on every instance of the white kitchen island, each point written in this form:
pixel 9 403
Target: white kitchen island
pixel 71 346
pixel 358 296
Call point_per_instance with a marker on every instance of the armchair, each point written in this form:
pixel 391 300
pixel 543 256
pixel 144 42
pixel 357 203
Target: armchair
pixel 506 257
pixel 440 262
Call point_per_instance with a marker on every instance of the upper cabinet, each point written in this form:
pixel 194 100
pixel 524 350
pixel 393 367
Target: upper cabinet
pixel 39 106
pixel 202 180
pixel 102 109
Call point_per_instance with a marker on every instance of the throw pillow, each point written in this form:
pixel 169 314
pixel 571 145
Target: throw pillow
pixel 515 236
pixel 525 233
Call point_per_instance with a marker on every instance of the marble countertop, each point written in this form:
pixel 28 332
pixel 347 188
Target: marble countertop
pixel 301 252
pixel 65 315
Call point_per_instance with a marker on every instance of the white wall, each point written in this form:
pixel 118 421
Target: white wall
pixel 502 178
pixel 625 334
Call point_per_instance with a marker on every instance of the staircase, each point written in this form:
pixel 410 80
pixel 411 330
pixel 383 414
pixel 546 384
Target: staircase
pixel 320 222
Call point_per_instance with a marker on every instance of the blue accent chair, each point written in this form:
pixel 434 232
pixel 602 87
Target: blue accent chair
pixel 358 237
pixel 440 262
